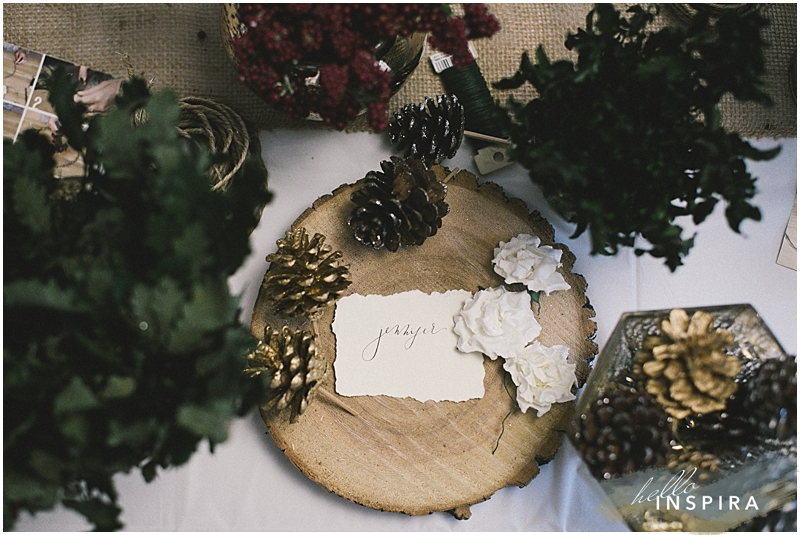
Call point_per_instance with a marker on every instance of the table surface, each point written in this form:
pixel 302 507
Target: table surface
pixel 247 484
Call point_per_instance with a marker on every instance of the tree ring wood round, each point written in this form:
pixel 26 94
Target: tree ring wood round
pixel 412 457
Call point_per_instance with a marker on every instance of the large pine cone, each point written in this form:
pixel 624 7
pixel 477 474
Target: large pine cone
pixel 304 275
pixel 431 130
pixel 624 431
pixel 289 359
pixel 403 204
pixel 685 367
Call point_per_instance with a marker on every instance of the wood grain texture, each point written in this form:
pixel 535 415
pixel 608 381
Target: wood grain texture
pixel 412 457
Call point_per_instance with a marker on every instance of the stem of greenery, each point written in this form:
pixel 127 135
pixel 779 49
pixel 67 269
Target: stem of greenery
pixel 629 138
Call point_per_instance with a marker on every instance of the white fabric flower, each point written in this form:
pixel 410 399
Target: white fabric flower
pixel 542 375
pixel 496 323
pixel 522 260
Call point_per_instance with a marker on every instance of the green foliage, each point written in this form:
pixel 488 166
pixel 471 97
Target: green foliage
pixel 122 347
pixel 628 138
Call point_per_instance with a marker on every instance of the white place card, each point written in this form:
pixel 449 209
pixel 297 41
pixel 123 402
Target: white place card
pixel 403 345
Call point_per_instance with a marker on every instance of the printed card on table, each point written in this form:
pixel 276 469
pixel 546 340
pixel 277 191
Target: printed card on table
pixel 403 345
pixel 787 256
pixel 26 105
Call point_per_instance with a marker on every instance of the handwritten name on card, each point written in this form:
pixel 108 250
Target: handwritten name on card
pixel 403 345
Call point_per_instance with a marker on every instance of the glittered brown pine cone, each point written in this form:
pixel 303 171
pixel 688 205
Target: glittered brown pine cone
pixel 431 131
pixel 378 216
pixel 421 197
pixel 624 431
pixel 771 398
pixel 403 204
pixel 304 275
pixel 289 359
pixel 685 366
pixel 730 426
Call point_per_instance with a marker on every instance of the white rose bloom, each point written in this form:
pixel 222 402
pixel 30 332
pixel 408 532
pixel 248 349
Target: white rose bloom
pixel 542 375
pixel 522 260
pixel 496 323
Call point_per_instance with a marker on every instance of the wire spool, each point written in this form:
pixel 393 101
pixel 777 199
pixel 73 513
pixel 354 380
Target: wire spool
pixel 225 133
pixel 480 111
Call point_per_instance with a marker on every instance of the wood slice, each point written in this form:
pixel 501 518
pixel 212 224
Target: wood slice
pixel 412 457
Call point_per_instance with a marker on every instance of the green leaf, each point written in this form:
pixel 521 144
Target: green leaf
pixel 209 309
pixel 75 397
pixel 205 422
pixel 33 293
pixel 118 387
pixel 136 435
pixel 192 248
pixel 133 95
pixel 703 210
pixel 75 428
pixel 31 206
pixel 46 465
pixel 103 514
pixel 541 57
pixel 156 309
pixel 61 92
pixel 22 489
pixel 149 471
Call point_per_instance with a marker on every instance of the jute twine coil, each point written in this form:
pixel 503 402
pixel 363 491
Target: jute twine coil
pixel 223 130
pixel 182 46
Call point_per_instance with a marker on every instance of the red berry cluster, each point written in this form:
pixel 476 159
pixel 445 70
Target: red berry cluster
pixel 286 45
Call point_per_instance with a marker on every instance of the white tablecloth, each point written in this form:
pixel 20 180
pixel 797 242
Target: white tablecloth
pixel 247 484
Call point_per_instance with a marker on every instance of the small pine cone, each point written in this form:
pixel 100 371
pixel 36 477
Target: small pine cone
pixel 624 431
pixel 289 359
pixel 304 276
pixel 685 367
pixel 771 399
pixel 403 204
pixel 431 131
pixel 377 218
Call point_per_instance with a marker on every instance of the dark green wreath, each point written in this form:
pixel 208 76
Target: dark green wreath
pixel 629 138
pixel 122 346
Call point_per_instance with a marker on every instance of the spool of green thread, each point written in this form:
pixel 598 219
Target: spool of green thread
pixel 480 112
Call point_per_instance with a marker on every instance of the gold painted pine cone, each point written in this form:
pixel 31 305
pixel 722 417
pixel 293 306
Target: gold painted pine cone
pixel 289 359
pixel 304 276
pixel 685 367
pixel 693 461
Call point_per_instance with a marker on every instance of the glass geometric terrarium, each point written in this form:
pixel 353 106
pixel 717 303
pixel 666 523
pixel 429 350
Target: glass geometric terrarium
pixel 669 463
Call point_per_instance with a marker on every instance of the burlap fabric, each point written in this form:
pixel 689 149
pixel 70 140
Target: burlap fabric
pixel 181 46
